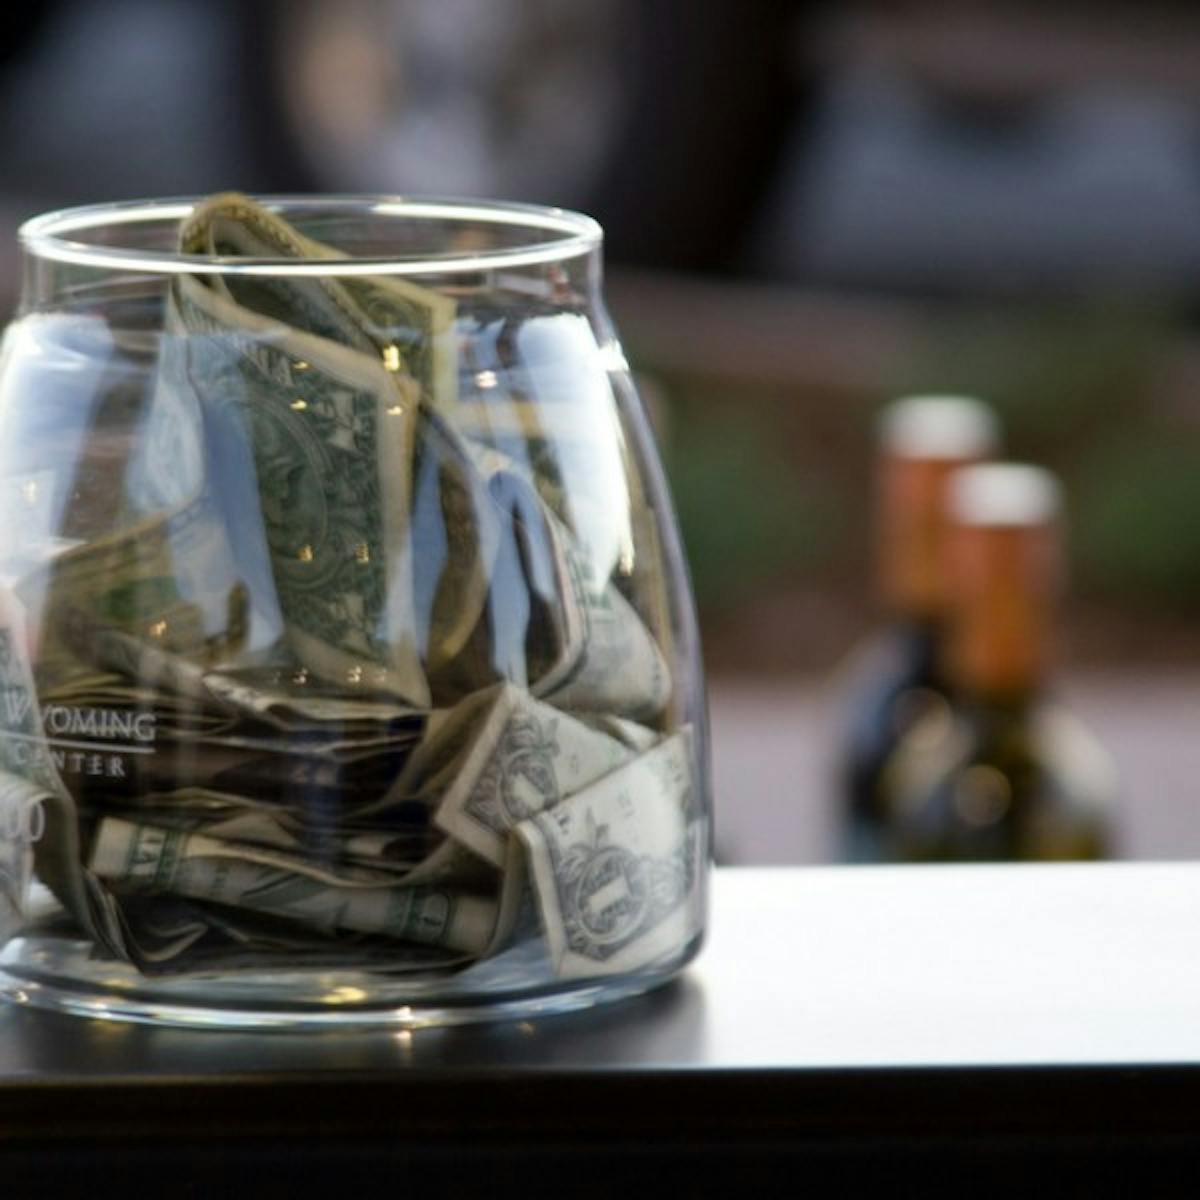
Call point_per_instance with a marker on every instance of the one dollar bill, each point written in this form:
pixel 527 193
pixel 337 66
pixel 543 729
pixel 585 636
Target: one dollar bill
pixel 614 866
pixel 156 860
pixel 525 757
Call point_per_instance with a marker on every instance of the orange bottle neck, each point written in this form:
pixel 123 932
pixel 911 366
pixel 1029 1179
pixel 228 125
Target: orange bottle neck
pixel 1004 584
pixel 910 529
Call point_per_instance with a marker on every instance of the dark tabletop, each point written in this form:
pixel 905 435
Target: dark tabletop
pixel 865 1019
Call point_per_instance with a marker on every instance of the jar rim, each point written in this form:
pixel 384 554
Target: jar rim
pixel 555 234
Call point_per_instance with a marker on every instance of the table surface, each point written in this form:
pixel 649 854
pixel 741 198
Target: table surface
pixel 803 968
pixel 914 1003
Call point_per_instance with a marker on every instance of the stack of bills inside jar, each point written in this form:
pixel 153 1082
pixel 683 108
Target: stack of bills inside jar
pixel 374 664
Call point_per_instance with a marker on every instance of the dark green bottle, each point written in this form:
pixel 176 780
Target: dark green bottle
pixel 1005 773
pixel 897 677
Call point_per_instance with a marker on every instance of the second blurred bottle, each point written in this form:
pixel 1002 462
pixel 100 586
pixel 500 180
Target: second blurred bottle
pixel 1007 773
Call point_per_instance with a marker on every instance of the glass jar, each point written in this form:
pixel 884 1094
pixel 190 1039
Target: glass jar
pixel 348 663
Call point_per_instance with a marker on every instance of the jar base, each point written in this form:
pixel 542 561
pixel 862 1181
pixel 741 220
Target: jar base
pixel 61 975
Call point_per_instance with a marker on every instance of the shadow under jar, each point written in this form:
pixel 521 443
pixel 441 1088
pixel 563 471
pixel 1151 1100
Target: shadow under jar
pixel 348 665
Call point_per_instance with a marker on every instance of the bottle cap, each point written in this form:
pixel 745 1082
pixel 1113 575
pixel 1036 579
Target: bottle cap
pixel 1003 494
pixel 956 427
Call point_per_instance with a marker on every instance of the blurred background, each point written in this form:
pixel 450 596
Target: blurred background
pixel 810 209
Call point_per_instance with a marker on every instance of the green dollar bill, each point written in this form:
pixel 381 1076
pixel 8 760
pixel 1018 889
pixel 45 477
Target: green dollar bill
pixel 332 451
pixel 615 868
pixel 409 328
pixel 150 859
pixel 27 762
pixel 525 757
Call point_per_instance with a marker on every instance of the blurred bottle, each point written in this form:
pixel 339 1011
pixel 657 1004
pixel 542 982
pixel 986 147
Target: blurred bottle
pixel 1005 773
pixel 922 440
